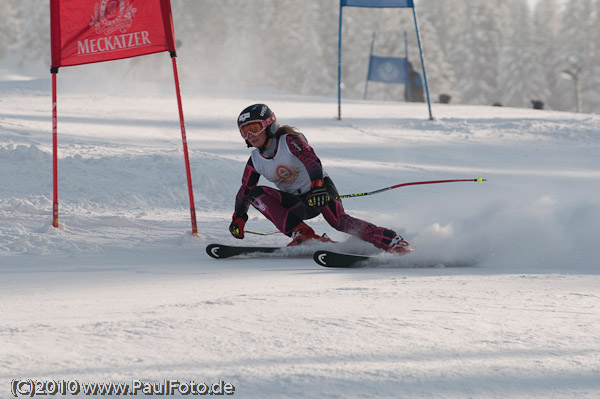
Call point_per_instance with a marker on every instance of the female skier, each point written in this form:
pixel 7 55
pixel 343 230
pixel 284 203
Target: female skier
pixel 283 156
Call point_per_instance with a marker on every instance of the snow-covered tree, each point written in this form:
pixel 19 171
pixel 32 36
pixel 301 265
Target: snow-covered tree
pixel 545 25
pixel 438 20
pixel 357 29
pixel 476 53
pixel 520 75
pixel 440 74
pixel 326 29
pixel 592 83
pixel 33 42
pixel 9 25
pixel 575 47
pixel 445 16
pixel 297 52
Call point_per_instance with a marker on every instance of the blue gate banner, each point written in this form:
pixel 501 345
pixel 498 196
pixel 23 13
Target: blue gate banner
pixel 388 69
pixel 378 3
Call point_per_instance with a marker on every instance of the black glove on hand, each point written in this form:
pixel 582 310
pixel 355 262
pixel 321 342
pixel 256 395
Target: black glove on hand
pixel 318 195
pixel 236 228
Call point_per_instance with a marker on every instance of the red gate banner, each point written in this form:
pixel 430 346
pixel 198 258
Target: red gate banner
pixel 87 31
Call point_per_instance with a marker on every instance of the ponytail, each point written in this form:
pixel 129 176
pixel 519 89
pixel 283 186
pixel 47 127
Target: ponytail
pixel 289 130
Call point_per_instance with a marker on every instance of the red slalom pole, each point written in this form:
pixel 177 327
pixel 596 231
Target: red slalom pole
pixel 185 147
pixel 478 180
pixel 54 71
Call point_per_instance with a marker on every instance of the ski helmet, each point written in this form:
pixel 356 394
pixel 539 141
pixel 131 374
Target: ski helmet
pixel 260 114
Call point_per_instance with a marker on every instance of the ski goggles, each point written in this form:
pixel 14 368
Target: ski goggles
pixel 255 127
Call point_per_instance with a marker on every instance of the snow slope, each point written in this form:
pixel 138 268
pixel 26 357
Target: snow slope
pixel 122 291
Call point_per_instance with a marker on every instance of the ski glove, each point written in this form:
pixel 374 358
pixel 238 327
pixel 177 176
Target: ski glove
pixel 236 228
pixel 318 195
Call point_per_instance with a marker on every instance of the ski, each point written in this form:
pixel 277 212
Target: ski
pixel 344 260
pixel 220 251
pixel 338 259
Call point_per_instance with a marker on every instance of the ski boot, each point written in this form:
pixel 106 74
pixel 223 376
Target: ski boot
pixel 303 233
pixel 399 246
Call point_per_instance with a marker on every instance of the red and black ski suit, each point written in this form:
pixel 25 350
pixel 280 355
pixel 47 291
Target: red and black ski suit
pixel 292 169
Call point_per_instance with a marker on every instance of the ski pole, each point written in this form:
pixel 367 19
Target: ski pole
pixel 268 233
pixel 478 180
